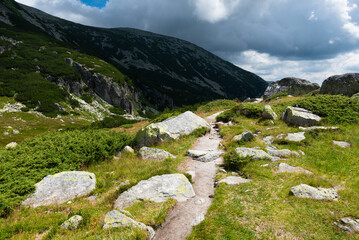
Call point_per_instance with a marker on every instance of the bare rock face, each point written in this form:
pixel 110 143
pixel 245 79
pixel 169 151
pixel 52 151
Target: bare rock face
pixel 300 117
pixel 347 85
pixel 170 129
pixel 157 189
pixel 61 187
pixel 290 85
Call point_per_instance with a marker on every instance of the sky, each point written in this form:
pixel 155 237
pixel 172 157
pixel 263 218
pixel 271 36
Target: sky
pixel 310 39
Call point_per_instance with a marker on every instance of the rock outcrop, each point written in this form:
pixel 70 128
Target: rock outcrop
pixel 170 129
pixel 157 189
pixel 61 187
pixel 115 219
pixel 306 191
pixel 347 85
pixel 300 117
pixel 268 113
pixel 290 85
pixel 154 154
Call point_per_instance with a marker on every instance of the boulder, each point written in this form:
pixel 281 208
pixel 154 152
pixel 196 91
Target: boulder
pixel 286 168
pixel 157 189
pixel 232 180
pixel 244 136
pixel 350 224
pixel 295 137
pixel 342 144
pixel 61 187
pixel 154 154
pixel 282 153
pixel 11 145
pixel 128 149
pixel 196 153
pixel 116 219
pixel 290 85
pixel 209 157
pixel 268 113
pixel 347 85
pixel 306 191
pixel 172 128
pixel 300 117
pixel 257 154
pixel 72 223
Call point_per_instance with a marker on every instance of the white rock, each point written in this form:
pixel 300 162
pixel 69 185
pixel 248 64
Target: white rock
pixel 306 191
pixel 300 117
pixel 232 180
pixel 342 144
pixel 154 154
pixel 252 152
pixel 128 149
pixel 295 137
pixel 285 168
pixel 11 145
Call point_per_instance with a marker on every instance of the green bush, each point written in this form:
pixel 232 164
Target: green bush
pixel 233 162
pixel 334 109
pixel 275 96
pixel 250 110
pixel 112 122
pixel 220 104
pixel 87 98
pixel 48 154
pixel 227 116
pixel 117 110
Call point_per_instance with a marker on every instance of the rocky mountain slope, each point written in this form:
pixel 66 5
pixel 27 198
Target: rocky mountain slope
pixel 168 71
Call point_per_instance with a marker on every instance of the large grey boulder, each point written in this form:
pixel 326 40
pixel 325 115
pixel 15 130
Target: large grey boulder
pixel 290 85
pixel 154 154
pixel 244 136
pixel 170 129
pixel 116 219
pixel 347 85
pixel 157 189
pixel 257 154
pixel 286 168
pixel 300 117
pixel 61 187
pixel 268 113
pixel 306 191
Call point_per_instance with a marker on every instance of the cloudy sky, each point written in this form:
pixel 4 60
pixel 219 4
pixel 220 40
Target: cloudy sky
pixel 311 39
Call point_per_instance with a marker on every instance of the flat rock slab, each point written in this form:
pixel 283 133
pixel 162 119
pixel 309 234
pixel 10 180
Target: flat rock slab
pixel 300 117
pixel 244 136
pixel 210 156
pixel 282 153
pixel 157 189
pixel 154 154
pixel 72 223
pixel 306 191
pixel 196 153
pixel 350 224
pixel 61 187
pixel 295 137
pixel 116 219
pixel 286 168
pixel 342 144
pixel 170 129
pixel 257 154
pixel 318 128
pixel 232 180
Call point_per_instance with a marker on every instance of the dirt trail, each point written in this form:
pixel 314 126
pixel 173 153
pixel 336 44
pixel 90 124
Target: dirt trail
pixel 179 222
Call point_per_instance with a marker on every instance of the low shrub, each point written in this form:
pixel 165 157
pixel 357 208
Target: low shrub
pixel 117 110
pixel 233 162
pixel 48 154
pixel 227 116
pixel 276 96
pixel 217 105
pixel 112 122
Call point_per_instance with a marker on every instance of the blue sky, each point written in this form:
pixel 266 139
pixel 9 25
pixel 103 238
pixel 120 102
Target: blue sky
pixel 310 39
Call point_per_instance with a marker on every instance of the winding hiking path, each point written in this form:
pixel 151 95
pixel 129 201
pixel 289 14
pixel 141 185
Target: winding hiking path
pixel 184 215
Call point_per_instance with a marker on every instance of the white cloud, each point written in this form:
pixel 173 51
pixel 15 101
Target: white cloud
pixel 214 10
pixel 312 17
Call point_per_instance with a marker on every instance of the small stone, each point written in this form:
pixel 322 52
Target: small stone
pixel 268 113
pixel 234 174
pixel 6 133
pixel 286 168
pixel 200 201
pixel 11 145
pixel 252 152
pixel 69 202
pixel 351 224
pixel 342 144
pixel 306 191
pixel 301 152
pixel 282 153
pixel 244 136
pixel 125 183
pixel 268 140
pixel 15 132
pixel 295 137
pixel 265 165
pixel 72 223
pixel 92 198
pixel 209 157
pixel 318 128
pixel 128 149
pixel 192 173
pixel 222 170
pixel 154 154
pixel 197 220
pixel 232 180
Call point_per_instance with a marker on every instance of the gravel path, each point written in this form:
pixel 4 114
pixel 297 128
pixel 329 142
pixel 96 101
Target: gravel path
pixel 180 220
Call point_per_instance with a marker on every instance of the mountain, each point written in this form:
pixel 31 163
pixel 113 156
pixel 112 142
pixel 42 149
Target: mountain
pixel 166 71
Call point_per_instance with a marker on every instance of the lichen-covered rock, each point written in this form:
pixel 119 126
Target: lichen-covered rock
pixel 72 223
pixel 244 136
pixel 257 154
pixel 157 189
pixel 128 149
pixel 318 128
pixel 282 153
pixel 268 113
pixel 300 117
pixel 290 85
pixel 209 156
pixel 342 144
pixel 286 168
pixel 61 187
pixel 232 180
pixel 346 84
pixel 350 224
pixel 116 219
pixel 154 154
pixel 11 145
pixel 172 128
pixel 295 137
pixel 306 191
